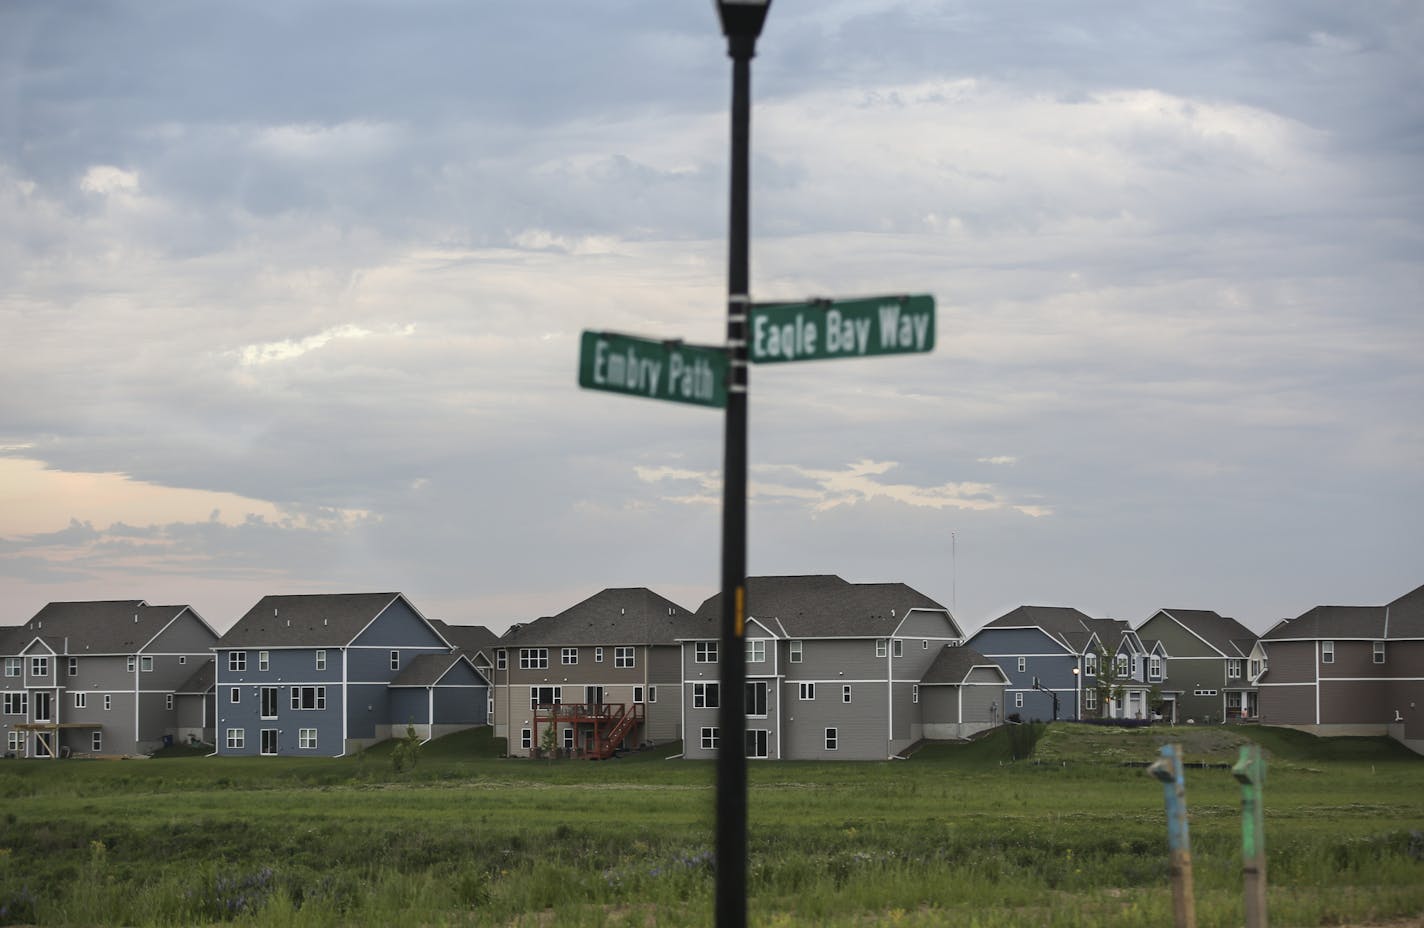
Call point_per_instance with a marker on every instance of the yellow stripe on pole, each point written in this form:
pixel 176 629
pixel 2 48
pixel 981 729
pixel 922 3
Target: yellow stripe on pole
pixel 740 599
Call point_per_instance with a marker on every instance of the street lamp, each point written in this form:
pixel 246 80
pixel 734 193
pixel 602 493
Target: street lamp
pixel 742 21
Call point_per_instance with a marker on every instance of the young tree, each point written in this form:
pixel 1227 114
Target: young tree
pixel 1110 685
pixel 548 740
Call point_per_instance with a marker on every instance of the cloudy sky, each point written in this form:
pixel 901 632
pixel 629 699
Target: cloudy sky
pixel 290 297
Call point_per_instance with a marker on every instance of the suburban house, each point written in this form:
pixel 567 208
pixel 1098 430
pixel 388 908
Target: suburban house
pixel 1208 665
pixel 98 677
pixel 195 701
pixel 1132 672
pixel 324 675
pixel 1338 670
pixel 838 670
pixel 602 675
pixel 1050 655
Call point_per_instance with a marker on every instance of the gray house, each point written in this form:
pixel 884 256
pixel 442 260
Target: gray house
pixel 323 675
pixel 98 677
pixel 835 670
pixel 1208 665
pixel 1050 655
pixel 602 675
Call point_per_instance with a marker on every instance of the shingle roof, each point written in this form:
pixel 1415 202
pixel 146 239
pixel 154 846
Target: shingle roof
pixel 330 620
pixel 629 615
pixel 1332 622
pixel 1406 615
pixel 202 679
pixel 1221 632
pixel 953 664
pixel 468 638
pixel 820 606
pixel 427 669
pixel 1069 626
pixel 120 626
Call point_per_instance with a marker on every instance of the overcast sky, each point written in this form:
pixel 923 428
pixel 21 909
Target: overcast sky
pixel 290 297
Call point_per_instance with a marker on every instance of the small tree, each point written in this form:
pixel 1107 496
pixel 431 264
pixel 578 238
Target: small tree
pixel 407 750
pixel 1155 700
pixel 1109 684
pixel 548 741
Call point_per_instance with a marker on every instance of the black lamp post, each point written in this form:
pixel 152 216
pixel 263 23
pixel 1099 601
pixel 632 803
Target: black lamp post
pixel 741 24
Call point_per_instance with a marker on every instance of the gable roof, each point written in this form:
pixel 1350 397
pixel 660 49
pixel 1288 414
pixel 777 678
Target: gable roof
pixel 318 620
pixel 821 606
pixel 1405 617
pixel 1224 634
pixel 119 626
pixel 1068 626
pixel 1331 622
pixel 202 679
pixel 429 669
pixel 468 638
pixel 953 664
pixel 628 615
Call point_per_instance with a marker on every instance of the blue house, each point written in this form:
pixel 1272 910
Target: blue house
pixel 324 675
pixel 1047 652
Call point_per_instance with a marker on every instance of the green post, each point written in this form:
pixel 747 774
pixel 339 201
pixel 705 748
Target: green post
pixel 1250 770
pixel 1168 769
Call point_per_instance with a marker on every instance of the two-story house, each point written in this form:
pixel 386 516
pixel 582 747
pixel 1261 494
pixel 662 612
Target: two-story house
pixel 1208 665
pixel 1131 666
pixel 834 670
pixel 98 677
pixel 1340 670
pixel 323 675
pixel 602 675
pixel 1050 656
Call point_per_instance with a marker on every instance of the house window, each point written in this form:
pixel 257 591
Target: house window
pixel 267 745
pixel 915 693
pixel 899 647
pixel 533 658
pixel 501 659
pixel 881 647
pixel 546 696
pixel 182 658
pixel 108 702
pixel 795 651
pixel 652 694
pixel 845 693
pixel 168 701
pixel 145 664
pixel 568 656
pixel 526 739
pixel 1379 652
pixel 1202 692
pixel 1023 665
pixel 236 739
pixel 1090 698
pixel 833 739
pixel 598 655
pixel 637 694
pixel 1018 700
pixel 1154 669
pixel 757 741
pixel 264 661
pixel 704 652
pixel 39 666
pixel 268 701
pixel 131 664
pixel 15 742
pixel 1233 670
pixel 709 739
pixel 569 738
pixel 756 699
pixel 706 695
pixel 306 738
pixel 96 742
pixel 13 666
pixel 1256 668
pixel 1135 665
pixel 321 660
pixel 395 660
pixel 623 657
pixel 17 703
pixel 756 650
pixel 236 662
pixel 81 700
pixel 808 691
pixel 924 644
pixel 234 695
pixel 74 666
pixel 1122 665
pixel 1090 664
pixel 1327 652
pixel 1233 700
pixel 308 697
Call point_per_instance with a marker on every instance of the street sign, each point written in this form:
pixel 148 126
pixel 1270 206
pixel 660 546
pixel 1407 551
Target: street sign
pixel 659 370
pixel 820 329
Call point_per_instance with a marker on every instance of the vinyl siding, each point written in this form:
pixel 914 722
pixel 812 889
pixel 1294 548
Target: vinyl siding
pixel 860 724
pixel 185 635
pixel 1291 662
pixel 399 627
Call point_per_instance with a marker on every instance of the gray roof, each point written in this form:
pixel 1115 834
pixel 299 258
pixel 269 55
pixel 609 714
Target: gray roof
pixel 467 638
pixel 202 679
pixel 953 664
pixel 427 669
pixel 1110 632
pixel 1070 627
pixel 630 615
pixel 321 620
pixel 120 626
pixel 820 606
pixel 1225 634
pixel 1322 622
pixel 1406 615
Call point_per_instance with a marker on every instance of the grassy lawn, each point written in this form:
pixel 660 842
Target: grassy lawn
pixel 959 834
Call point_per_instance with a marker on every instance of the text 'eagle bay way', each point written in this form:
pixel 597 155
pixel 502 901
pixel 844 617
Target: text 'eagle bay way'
pixel 806 332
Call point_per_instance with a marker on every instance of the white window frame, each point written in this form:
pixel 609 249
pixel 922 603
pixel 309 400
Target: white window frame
pixel 882 647
pixel 237 663
pixel 17 703
pixel 625 657
pixel 74 666
pixel 704 652
pixel 299 698
pixel 234 695
pixel 1327 652
pixel 526 738
pixel 709 737
pixel 1122 665
pixel 1090 664
pixel 833 739
pixel 1023 665
pixel 15 743
pixel 760 743
pixel 701 693
pixel 264 661
pixel 14 666
pixel 915 692
pixel 395 660
pixel 108 702
pixel 652 692
pixel 762 687
pixel 306 739
pixel 236 739
pixel 262 702
pixel 807 691
pixel 1233 669
pixel 1018 700
pixel 556 696
pixel 1090 698
pixel 756 650
pixel 846 693
pixel 795 650
pixel 637 694
pixel 533 658
pixel 96 741
pixel 321 659
pixel 898 648
pixel 501 659
pixel 168 701
pixel 1377 652
pixel 39 666
pixel 145 664
pixel 81 700
pixel 1154 670
pixel 568 656
pixel 598 655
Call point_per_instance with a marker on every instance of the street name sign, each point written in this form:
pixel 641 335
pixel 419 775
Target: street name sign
pixel 659 370
pixel 821 329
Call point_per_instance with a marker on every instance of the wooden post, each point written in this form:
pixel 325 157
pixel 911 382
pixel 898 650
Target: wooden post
pixel 1250 770
pixel 1168 769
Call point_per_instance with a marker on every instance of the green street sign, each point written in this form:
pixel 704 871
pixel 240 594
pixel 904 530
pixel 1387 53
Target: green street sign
pixel 821 329
pixel 659 370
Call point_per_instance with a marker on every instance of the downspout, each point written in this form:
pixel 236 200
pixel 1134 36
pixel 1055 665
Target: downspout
pixel 430 716
pixel 217 688
pixel 137 698
pixel 889 696
pixel 345 698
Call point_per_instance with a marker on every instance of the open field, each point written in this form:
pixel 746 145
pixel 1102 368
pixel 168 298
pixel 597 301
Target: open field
pixel 960 834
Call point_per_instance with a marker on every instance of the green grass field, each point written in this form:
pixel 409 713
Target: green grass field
pixel 959 834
